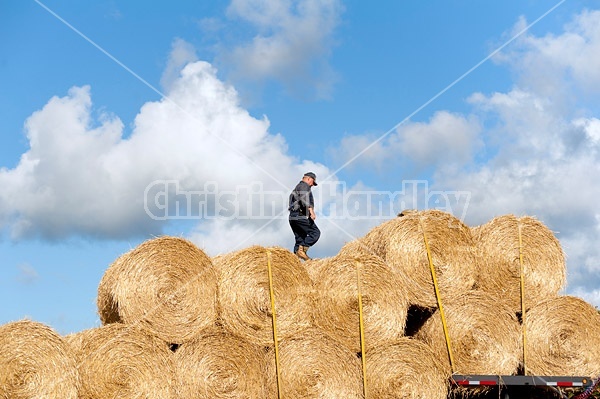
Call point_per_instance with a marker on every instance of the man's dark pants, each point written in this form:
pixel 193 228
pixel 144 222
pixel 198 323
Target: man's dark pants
pixel 305 230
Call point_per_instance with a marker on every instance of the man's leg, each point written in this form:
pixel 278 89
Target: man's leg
pixel 301 227
pixel 312 234
pixel 299 233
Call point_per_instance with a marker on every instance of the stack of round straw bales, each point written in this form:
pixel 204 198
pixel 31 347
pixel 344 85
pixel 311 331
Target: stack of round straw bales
pixel 383 300
pixel 245 295
pixel 123 361
pixel 507 242
pixel 167 285
pixel 258 323
pixel 36 362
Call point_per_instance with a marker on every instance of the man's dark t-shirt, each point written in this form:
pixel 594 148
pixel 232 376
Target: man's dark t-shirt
pixel 300 200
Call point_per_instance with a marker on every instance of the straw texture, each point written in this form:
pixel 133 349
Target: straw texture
pixel 314 366
pixel 119 361
pixel 314 266
pixel 563 338
pixel 244 296
pixel 543 260
pixel 218 365
pixel 383 295
pixel 166 284
pixel 485 335
pixel 35 362
pixel 406 369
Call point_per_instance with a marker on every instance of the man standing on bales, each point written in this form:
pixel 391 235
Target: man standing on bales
pixel 302 215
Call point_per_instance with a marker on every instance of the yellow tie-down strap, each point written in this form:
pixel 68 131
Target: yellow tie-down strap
pixel 361 324
pixel 522 282
pixel 439 299
pixel 276 346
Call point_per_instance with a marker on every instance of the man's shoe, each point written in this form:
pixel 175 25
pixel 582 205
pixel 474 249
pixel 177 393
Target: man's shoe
pixel 301 252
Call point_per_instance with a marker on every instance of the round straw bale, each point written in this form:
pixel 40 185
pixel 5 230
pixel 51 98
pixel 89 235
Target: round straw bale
pixel 563 338
pixel 244 295
pixel 406 369
pixel 451 247
pixel 361 246
pixel 314 265
pixel 406 212
pixel 376 240
pixel 313 365
pixel 544 265
pixel 123 361
pixel 373 243
pixel 35 362
pixel 216 365
pixel 166 284
pixel 383 295
pixel 484 335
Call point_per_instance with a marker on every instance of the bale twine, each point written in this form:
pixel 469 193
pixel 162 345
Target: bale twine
pixel 313 365
pixel 123 361
pixel 217 365
pixel 244 295
pixel 383 296
pixel 563 338
pixel 485 335
pixel 35 362
pixel 543 260
pixel 406 369
pixel 401 243
pixel 166 284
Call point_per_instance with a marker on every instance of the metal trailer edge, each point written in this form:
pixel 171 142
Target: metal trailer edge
pixel 506 381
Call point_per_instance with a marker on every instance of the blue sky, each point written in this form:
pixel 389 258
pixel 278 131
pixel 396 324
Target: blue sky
pixel 100 100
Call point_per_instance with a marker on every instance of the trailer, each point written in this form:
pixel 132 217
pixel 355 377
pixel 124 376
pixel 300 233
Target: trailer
pixel 525 386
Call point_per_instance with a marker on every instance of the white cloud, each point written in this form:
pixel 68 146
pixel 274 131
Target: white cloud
pixel 61 177
pixel 182 53
pixel 81 177
pixel 553 64
pixel 591 127
pixel 361 149
pixel 221 237
pixel 447 139
pixel 292 44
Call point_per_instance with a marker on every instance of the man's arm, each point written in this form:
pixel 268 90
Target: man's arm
pixel 311 206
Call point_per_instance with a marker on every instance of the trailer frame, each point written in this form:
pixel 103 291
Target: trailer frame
pixel 517 384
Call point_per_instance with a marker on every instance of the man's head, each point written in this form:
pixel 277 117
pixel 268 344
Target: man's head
pixel 310 178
